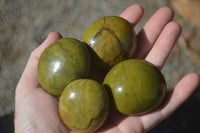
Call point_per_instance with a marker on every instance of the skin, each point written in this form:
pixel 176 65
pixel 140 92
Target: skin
pixel 155 41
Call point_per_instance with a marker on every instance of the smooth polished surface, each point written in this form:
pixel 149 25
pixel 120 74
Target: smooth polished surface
pixel 83 105
pixel 62 62
pixel 112 38
pixel 136 85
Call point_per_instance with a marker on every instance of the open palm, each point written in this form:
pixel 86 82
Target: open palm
pixel 36 111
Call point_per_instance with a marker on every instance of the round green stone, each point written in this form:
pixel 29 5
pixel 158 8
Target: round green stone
pixel 83 105
pixel 62 62
pixel 112 39
pixel 136 86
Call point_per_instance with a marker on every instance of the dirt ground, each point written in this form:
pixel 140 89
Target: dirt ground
pixel 25 24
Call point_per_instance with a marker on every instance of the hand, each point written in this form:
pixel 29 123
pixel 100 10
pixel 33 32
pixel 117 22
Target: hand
pixel 36 111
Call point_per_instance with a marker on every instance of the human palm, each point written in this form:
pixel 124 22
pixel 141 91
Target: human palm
pixel 36 111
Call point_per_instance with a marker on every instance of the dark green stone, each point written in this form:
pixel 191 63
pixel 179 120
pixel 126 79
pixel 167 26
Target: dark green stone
pixel 62 62
pixel 136 86
pixel 112 39
pixel 83 105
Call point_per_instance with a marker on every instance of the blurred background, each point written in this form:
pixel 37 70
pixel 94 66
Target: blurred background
pixel 25 24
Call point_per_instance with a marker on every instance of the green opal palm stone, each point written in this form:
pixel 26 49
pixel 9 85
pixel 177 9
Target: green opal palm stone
pixel 136 86
pixel 112 40
pixel 63 61
pixel 83 105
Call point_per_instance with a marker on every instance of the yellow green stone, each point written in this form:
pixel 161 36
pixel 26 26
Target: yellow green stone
pixel 112 40
pixel 62 62
pixel 83 105
pixel 136 86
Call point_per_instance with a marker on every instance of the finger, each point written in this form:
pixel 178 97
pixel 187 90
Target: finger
pixel 152 29
pixel 133 14
pixel 51 38
pixel 163 46
pixel 179 95
pixel 30 71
